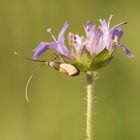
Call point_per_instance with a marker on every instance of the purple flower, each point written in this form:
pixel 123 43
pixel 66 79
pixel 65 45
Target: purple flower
pixel 89 52
pixel 103 37
pixel 58 45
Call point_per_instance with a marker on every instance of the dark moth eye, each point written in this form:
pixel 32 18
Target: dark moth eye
pixel 68 69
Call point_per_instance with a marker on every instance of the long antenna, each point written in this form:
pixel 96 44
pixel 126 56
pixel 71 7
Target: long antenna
pixel 26 88
pixel 28 82
pixel 31 76
pixel 16 53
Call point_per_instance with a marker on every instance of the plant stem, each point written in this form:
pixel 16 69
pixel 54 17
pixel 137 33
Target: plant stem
pixel 89 113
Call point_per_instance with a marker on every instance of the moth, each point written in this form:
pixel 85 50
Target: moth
pixel 65 68
pixel 56 64
pixel 60 66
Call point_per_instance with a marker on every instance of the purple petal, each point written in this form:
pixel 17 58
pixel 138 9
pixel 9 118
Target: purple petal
pixel 105 39
pixel 79 44
pixel 93 36
pixel 104 25
pixel 42 47
pixel 90 29
pixel 128 53
pixel 76 42
pixel 89 26
pixel 61 44
pixel 117 33
pixel 61 34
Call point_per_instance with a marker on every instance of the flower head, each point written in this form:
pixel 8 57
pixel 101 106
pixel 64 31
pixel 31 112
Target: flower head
pixel 89 52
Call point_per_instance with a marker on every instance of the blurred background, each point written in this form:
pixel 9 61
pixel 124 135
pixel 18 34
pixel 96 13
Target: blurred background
pixel 56 110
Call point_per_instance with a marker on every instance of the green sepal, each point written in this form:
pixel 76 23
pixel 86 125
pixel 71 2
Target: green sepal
pixel 101 60
pixel 83 61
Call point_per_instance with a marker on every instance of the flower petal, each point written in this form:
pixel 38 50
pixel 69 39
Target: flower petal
pixel 118 33
pixel 61 34
pixel 89 29
pixel 93 37
pixel 105 39
pixel 128 53
pixel 89 26
pixel 62 49
pixel 42 47
pixel 76 42
pixel 104 25
pixel 79 44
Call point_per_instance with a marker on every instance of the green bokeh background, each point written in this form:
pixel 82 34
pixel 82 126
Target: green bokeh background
pixel 57 103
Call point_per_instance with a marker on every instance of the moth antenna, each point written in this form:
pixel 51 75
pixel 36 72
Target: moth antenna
pixel 16 53
pixel 35 60
pixel 26 88
pixel 28 82
pixel 55 54
pixel 58 56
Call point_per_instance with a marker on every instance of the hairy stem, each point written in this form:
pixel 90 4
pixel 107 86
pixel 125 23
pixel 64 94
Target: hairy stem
pixel 89 113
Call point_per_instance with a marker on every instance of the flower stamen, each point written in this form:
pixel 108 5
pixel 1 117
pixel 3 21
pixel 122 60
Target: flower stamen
pixel 118 25
pixel 110 20
pixel 49 31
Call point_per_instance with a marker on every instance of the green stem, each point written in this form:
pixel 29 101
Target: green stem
pixel 89 113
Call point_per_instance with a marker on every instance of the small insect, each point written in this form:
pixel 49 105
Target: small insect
pixel 62 67
pixel 56 64
pixel 65 68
